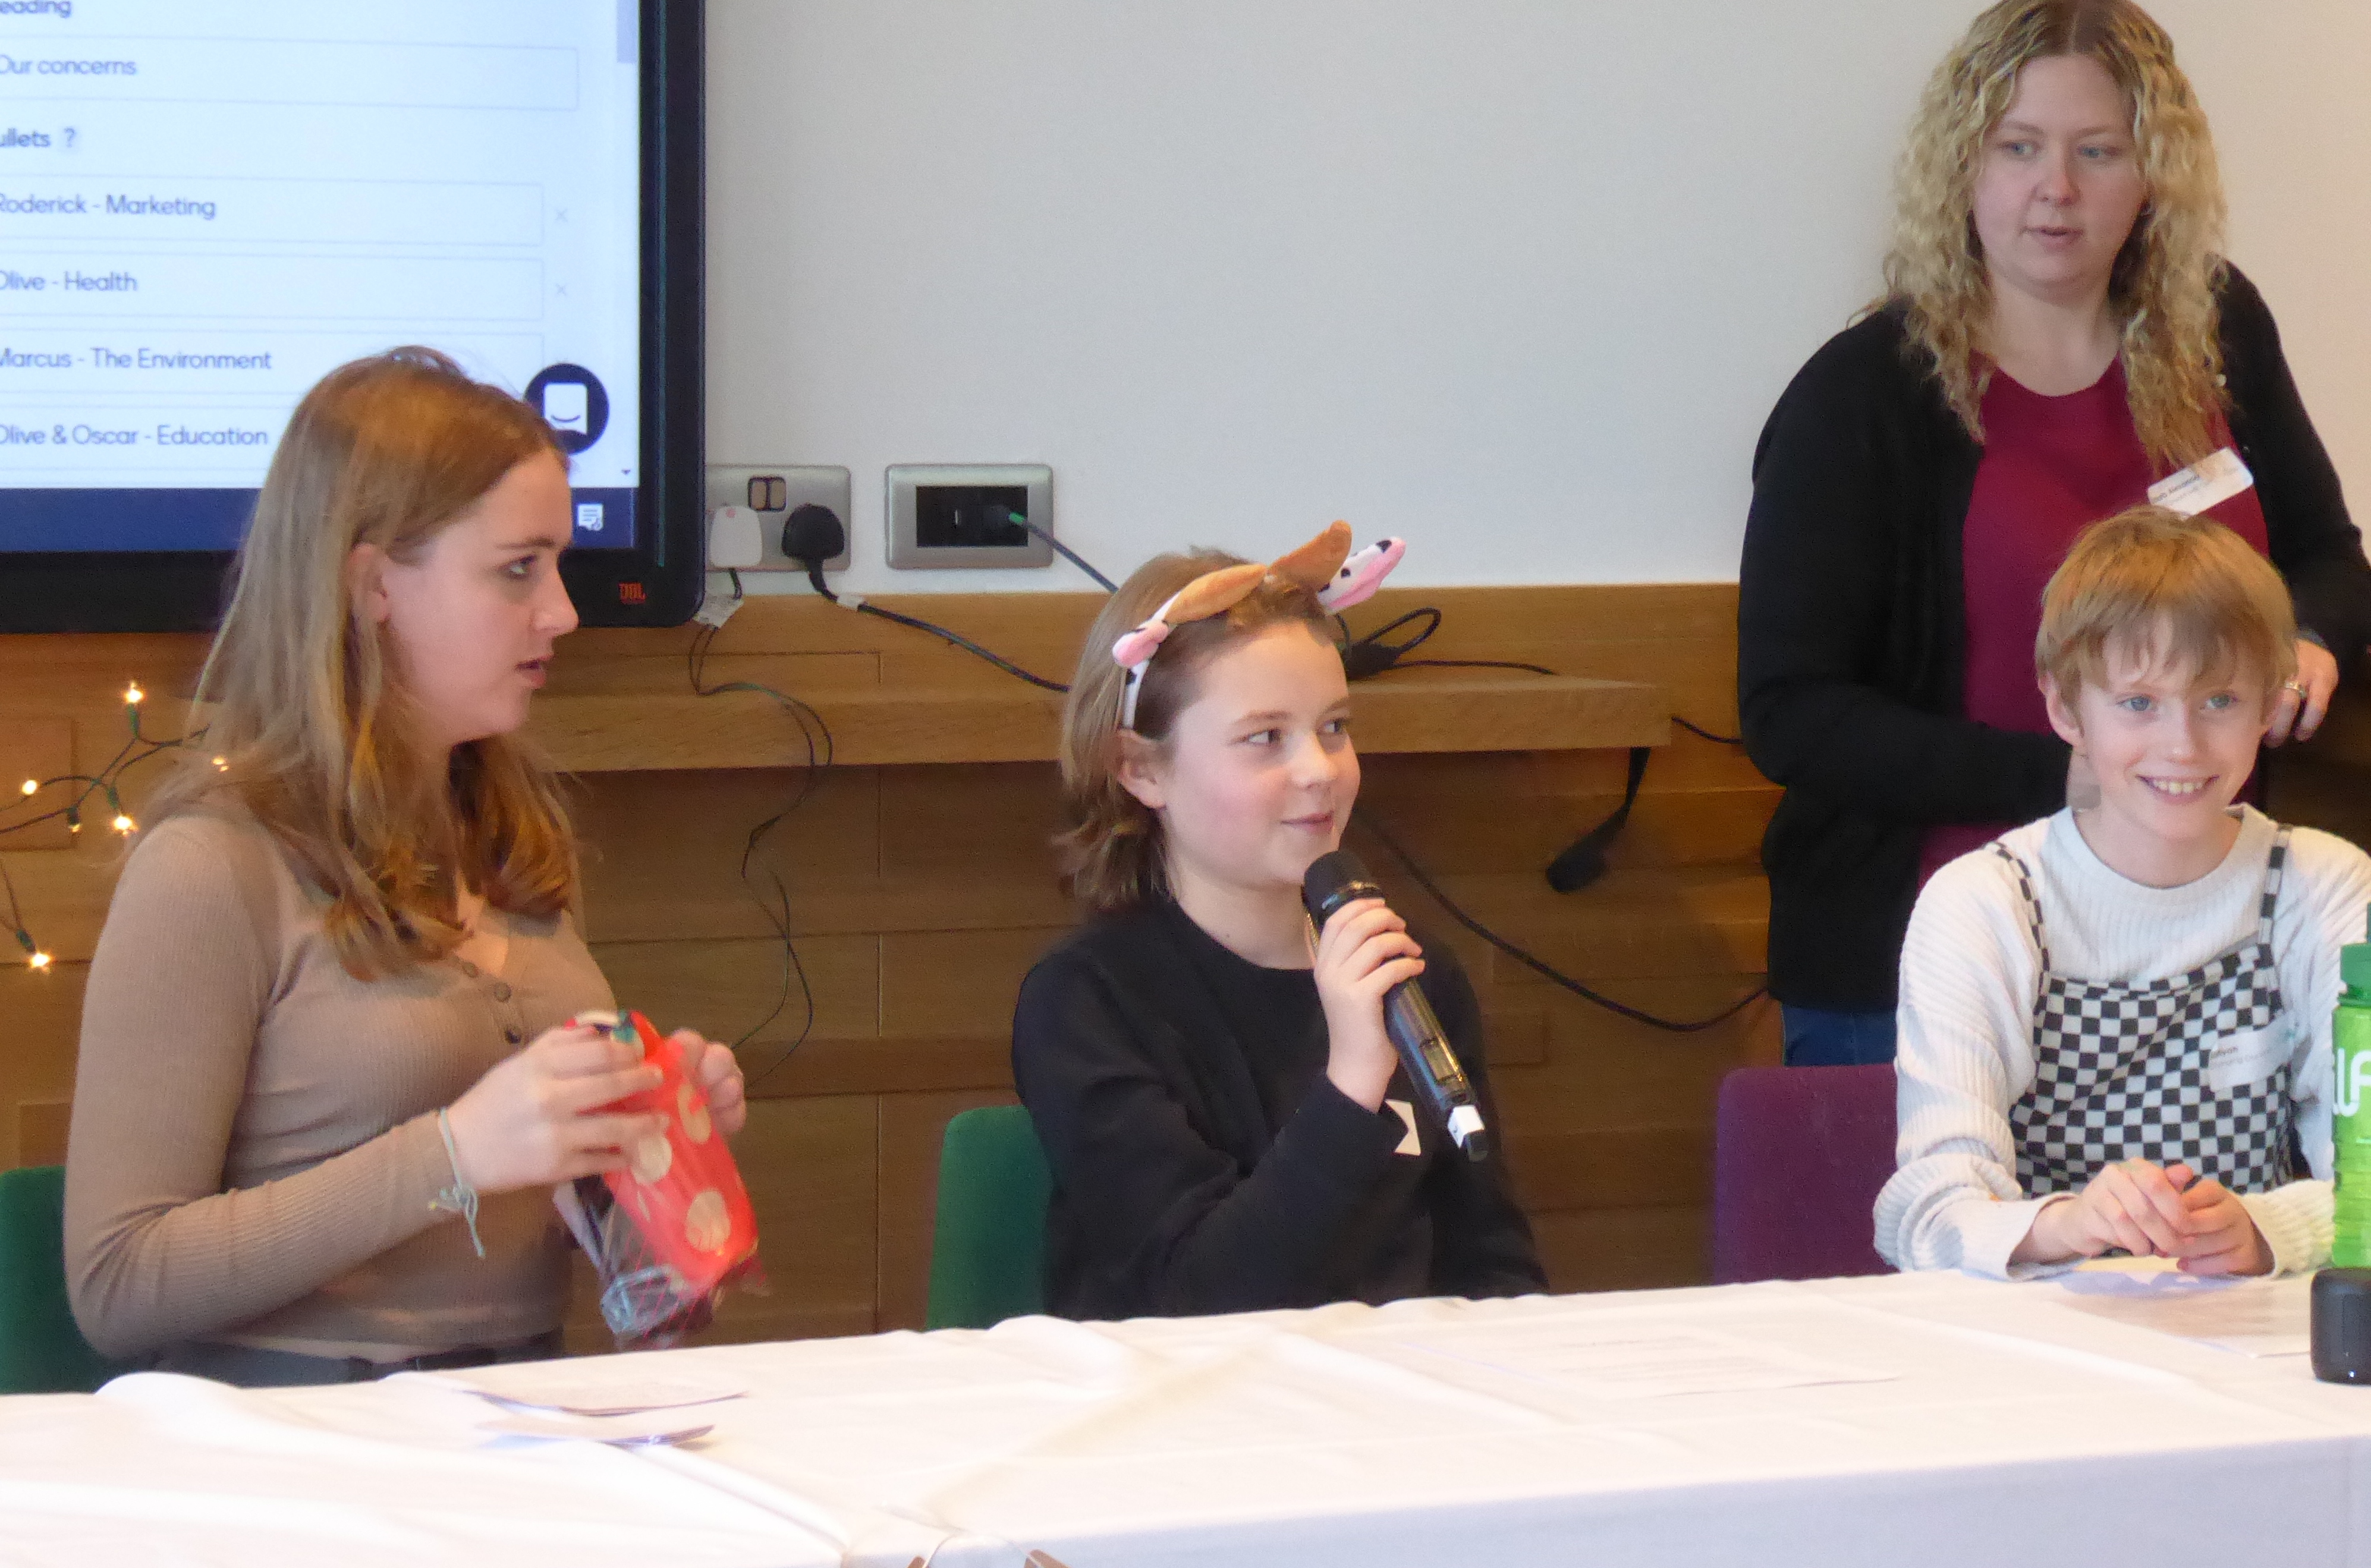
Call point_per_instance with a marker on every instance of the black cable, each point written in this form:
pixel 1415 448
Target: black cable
pixel 1707 735
pixel 1425 613
pixel 815 577
pixel 15 923
pixel 1582 861
pixel 1066 552
pixel 1363 657
pixel 1555 976
pixel 1370 656
pixel 866 607
pixel 817 736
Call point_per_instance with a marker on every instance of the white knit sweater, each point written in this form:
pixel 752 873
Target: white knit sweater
pixel 1969 976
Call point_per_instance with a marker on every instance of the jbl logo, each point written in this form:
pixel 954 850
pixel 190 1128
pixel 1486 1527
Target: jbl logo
pixel 632 594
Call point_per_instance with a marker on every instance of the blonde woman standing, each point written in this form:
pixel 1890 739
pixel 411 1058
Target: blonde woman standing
pixel 326 1080
pixel 2060 333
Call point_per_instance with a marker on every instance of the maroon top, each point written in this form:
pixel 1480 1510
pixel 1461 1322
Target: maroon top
pixel 2050 467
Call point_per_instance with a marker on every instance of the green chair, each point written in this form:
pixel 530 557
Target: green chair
pixel 988 1256
pixel 41 1351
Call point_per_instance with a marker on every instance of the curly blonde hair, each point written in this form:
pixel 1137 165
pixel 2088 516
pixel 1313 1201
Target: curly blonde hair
pixel 1112 854
pixel 2163 288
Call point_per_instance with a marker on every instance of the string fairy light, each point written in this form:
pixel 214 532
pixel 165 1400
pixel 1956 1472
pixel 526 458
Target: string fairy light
pixel 36 959
pixel 106 783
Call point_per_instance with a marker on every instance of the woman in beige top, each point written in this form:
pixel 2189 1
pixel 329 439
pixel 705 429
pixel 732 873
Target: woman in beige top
pixel 325 1081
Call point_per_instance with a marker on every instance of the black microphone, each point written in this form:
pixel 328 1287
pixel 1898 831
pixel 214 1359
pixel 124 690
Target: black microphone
pixel 1339 879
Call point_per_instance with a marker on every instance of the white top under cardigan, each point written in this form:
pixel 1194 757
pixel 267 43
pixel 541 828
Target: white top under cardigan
pixel 1969 972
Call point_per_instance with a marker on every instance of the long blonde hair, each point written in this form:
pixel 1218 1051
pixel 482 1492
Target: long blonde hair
pixel 1113 855
pixel 2163 289
pixel 309 722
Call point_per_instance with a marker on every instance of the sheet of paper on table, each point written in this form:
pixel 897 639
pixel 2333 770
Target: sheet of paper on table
pixel 411 1408
pixel 2248 1317
pixel 567 1389
pixel 1630 1361
pixel 644 1430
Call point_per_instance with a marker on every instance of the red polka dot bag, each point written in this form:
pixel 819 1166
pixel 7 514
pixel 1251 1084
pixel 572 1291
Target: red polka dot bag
pixel 670 1234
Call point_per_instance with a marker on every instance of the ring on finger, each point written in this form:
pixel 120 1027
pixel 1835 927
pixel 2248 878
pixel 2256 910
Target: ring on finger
pixel 2293 685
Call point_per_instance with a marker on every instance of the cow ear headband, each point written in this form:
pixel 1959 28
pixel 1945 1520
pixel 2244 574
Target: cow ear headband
pixel 1325 564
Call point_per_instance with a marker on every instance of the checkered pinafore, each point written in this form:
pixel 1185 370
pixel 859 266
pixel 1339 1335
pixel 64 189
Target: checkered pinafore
pixel 2120 1069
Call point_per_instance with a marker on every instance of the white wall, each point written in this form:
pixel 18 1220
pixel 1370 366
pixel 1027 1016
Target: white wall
pixel 1519 279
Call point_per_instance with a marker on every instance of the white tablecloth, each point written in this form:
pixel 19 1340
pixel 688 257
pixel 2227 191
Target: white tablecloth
pixel 1989 1424
pixel 156 1469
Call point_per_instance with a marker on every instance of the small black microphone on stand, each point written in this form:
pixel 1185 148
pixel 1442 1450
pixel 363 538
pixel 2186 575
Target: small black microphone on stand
pixel 1339 879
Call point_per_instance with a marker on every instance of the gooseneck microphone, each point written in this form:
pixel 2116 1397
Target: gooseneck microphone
pixel 1341 878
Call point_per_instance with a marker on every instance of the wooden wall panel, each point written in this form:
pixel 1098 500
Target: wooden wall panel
pixel 920 894
pixel 41 1017
pixel 42 1127
pixel 1635 1249
pixel 663 850
pixel 724 989
pixel 955 983
pixel 993 819
pixel 880 1066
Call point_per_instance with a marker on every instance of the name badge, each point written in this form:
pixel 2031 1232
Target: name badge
pixel 2250 1057
pixel 2212 481
pixel 1409 1143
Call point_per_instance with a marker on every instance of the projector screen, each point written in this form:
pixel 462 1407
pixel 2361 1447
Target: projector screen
pixel 204 209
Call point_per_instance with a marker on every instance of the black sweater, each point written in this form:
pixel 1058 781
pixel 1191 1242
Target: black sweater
pixel 1202 1160
pixel 1851 632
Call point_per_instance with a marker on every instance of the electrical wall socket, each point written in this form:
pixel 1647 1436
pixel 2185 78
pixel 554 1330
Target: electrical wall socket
pixel 773 491
pixel 959 514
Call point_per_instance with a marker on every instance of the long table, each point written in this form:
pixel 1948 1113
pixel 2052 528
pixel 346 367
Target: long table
pixel 1919 1419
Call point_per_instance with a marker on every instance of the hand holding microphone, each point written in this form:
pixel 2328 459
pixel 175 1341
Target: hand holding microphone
pixel 1367 965
pixel 1361 955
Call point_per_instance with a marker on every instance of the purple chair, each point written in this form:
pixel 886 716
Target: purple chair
pixel 1799 1155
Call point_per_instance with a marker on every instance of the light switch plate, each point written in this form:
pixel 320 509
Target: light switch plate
pixel 909 510
pixel 787 486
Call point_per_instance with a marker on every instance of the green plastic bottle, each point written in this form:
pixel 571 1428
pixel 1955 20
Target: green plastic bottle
pixel 2349 1121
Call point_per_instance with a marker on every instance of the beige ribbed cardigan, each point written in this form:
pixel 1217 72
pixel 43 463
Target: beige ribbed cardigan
pixel 254 1145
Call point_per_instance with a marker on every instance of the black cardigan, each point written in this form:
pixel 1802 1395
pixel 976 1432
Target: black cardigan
pixel 1852 634
pixel 1173 1193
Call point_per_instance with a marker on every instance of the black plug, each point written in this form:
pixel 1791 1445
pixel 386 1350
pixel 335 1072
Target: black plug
pixel 1583 860
pixel 812 534
pixel 1367 658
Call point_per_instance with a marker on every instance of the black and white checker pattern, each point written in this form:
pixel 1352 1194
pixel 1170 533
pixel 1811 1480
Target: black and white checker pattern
pixel 2119 1069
